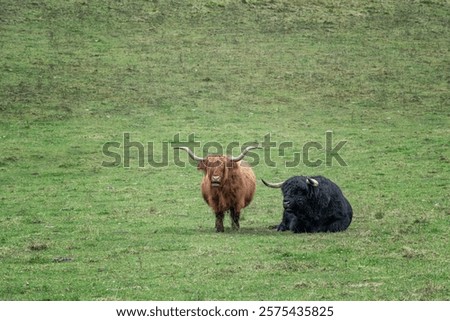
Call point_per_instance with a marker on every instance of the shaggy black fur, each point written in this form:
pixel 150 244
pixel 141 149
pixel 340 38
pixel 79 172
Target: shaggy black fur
pixel 309 208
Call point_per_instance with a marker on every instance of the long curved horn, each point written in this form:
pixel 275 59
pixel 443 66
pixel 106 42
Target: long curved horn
pixel 273 185
pixel 241 156
pixel 191 153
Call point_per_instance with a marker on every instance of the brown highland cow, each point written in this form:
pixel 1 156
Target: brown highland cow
pixel 228 185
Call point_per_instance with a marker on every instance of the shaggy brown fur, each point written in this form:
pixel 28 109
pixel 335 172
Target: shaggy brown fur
pixel 227 186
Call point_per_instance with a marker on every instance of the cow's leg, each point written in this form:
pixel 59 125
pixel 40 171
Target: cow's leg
pixel 337 226
pixel 285 223
pixel 281 227
pixel 219 222
pixel 235 215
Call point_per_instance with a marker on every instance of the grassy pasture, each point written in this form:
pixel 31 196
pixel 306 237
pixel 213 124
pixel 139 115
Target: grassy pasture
pixel 77 74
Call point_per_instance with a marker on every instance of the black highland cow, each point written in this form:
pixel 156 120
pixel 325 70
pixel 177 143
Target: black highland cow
pixel 313 204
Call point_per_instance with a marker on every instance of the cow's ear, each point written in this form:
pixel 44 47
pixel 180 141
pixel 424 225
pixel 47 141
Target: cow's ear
pixel 312 182
pixel 201 166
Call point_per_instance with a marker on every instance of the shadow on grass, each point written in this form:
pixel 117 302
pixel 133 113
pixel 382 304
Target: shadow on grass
pixel 263 230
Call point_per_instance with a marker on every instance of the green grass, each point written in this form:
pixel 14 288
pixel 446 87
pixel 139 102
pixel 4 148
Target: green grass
pixel 77 74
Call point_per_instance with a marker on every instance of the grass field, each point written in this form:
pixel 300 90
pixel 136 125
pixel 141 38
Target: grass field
pixel 78 74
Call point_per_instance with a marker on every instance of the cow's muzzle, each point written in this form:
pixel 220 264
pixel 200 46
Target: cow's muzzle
pixel 215 181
